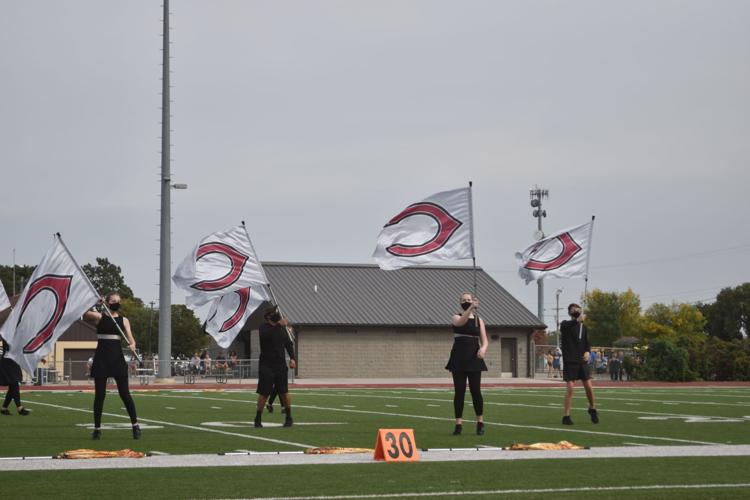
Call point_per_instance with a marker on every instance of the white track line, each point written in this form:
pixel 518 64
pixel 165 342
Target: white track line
pixel 184 426
pixel 427 417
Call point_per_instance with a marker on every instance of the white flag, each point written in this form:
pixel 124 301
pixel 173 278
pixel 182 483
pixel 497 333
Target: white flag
pixel 561 255
pixel 219 264
pixel 4 301
pixel 56 295
pixel 438 228
pixel 229 313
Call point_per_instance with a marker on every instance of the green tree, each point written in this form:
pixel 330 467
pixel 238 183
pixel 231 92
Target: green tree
pixel 728 317
pixel 673 321
pixel 23 273
pixel 611 315
pixel 187 332
pixel 107 277
pixel 667 361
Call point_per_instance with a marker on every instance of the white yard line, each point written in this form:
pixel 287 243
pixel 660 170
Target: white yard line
pixel 183 426
pixel 298 458
pixel 582 489
pixel 524 405
pixel 427 417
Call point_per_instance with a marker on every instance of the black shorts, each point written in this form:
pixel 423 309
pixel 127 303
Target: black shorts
pixel 576 371
pixel 270 377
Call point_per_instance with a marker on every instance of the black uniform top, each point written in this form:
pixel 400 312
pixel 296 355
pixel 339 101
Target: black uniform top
pixel 273 341
pixel 107 327
pixel 574 341
pixel 471 327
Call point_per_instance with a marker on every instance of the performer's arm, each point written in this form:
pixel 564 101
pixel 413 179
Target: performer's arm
pixel 484 343
pixel 461 319
pixel 129 334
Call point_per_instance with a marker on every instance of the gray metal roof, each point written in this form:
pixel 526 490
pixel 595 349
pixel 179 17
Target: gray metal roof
pixel 363 295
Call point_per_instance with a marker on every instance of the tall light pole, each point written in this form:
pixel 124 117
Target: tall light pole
pixel 537 195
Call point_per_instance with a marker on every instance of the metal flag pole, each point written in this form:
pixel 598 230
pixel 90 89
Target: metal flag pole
pixel 265 278
pixel 588 258
pixel 88 282
pixel 473 254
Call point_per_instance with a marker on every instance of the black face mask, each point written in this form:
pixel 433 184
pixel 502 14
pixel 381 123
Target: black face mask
pixel 575 314
pixel 465 305
pixel 114 307
pixel 275 317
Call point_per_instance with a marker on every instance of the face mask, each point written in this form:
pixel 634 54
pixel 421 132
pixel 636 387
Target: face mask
pixel 275 317
pixel 465 305
pixel 575 314
pixel 114 307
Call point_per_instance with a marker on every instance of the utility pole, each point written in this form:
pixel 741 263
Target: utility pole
pixel 14 272
pixel 537 195
pixel 150 321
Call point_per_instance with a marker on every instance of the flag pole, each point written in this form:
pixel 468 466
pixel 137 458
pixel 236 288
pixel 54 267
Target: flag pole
pixel 588 258
pixel 88 282
pixel 265 277
pixel 471 222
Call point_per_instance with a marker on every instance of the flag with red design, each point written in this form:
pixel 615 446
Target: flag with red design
pixel 436 229
pixel 219 264
pixel 562 255
pixel 4 301
pixel 56 295
pixel 229 313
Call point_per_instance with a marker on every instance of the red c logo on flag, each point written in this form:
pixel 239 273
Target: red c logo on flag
pixel 569 249
pixel 60 288
pixel 244 294
pixel 236 258
pixel 447 225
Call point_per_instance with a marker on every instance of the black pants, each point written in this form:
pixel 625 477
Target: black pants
pixel 13 394
pixel 459 385
pixel 100 392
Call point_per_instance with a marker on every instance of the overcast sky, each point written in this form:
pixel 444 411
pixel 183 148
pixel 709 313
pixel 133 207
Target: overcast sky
pixel 316 121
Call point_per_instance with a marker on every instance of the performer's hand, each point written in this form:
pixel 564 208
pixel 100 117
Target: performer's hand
pixel 481 353
pixel 283 322
pixel 586 356
pixel 475 303
pixel 292 363
pixel 132 346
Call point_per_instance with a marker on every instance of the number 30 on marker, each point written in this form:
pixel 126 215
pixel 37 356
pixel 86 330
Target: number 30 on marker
pixel 396 445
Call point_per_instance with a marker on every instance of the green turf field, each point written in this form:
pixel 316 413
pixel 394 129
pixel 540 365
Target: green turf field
pixel 188 422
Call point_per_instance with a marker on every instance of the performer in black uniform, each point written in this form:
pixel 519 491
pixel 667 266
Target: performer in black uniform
pixel 467 360
pixel 272 371
pixel 576 350
pixel 10 375
pixel 109 362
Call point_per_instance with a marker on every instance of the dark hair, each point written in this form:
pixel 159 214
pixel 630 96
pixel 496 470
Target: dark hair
pixel 573 305
pixel 109 296
pixel 270 310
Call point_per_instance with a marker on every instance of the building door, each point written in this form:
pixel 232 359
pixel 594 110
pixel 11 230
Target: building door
pixel 508 362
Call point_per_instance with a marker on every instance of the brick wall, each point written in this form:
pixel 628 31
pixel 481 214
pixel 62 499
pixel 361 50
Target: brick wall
pixel 390 352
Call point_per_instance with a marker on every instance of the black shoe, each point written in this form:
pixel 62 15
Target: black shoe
pixel 288 422
pixel 24 412
pixel 566 420
pixel 5 411
pixel 96 435
pixel 136 432
pixel 480 428
pixel 457 430
pixel 594 415
pixel 257 424
pixel 270 408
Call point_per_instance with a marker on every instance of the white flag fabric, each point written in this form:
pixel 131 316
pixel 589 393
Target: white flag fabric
pixel 219 264
pixel 562 255
pixel 56 295
pixel 438 228
pixel 229 313
pixel 4 300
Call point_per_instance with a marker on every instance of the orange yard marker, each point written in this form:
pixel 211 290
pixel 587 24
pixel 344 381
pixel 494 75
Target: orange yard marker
pixel 396 445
